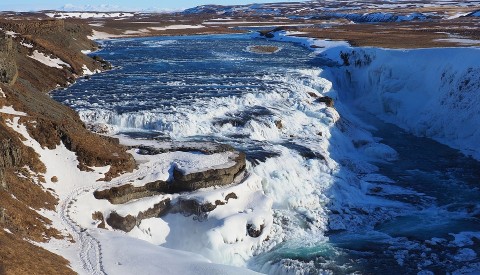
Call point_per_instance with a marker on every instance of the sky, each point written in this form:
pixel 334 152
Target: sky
pixel 167 5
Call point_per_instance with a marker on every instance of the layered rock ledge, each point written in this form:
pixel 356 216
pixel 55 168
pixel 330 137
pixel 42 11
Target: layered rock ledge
pixel 182 179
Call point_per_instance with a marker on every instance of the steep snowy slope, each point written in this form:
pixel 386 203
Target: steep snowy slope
pixel 431 92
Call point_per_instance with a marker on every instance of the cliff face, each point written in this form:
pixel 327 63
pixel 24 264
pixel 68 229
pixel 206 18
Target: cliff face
pixel 8 66
pixel 10 151
pixel 24 83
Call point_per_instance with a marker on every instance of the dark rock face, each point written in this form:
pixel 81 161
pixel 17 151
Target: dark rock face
pixel 158 210
pixel 128 222
pixel 122 223
pixel 181 182
pixel 231 196
pixel 128 192
pixel 193 181
pixel 189 207
pixel 327 100
pixel 253 231
pixel 279 124
pixel 270 33
pixel 10 153
pixel 103 63
pixel 8 65
pixel 185 206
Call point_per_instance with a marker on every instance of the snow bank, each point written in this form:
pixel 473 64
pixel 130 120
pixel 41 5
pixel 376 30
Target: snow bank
pixel 26 45
pixel 96 35
pixel 431 92
pixel 318 46
pixel 177 27
pixel 9 109
pixel 53 62
pixel 125 255
pixel 83 15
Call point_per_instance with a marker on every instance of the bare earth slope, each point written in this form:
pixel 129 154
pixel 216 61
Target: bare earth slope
pixel 24 85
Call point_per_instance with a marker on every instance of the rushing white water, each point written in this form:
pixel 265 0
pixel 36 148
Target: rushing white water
pixel 320 166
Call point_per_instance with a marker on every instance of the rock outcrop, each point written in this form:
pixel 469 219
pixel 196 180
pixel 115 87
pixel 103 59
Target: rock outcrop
pixel 184 205
pixel 327 100
pixel 10 151
pixel 270 33
pixel 8 65
pixel 255 231
pixel 181 181
pixel 193 181
pixel 128 222
pixel 35 27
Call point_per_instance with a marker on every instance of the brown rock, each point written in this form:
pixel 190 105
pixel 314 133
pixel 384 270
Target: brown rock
pixel 122 223
pixel 213 177
pixel 158 210
pixel 253 231
pixel 231 196
pixel 279 124
pixel 190 207
pixel 126 193
pixel 98 216
pixel 129 222
pixel 327 100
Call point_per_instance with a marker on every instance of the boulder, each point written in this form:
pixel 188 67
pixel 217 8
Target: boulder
pixel 255 231
pixel 279 124
pixel 327 100
pixel 128 222
pixel 122 223
pixel 8 65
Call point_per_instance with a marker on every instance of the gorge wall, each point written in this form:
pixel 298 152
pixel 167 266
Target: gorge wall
pixel 430 92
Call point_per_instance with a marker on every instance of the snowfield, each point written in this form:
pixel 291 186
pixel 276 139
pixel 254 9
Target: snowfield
pixel 53 62
pixel 85 15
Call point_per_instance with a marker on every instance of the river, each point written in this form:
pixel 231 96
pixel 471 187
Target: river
pixel 351 193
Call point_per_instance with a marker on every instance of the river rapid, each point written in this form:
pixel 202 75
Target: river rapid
pixel 351 193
